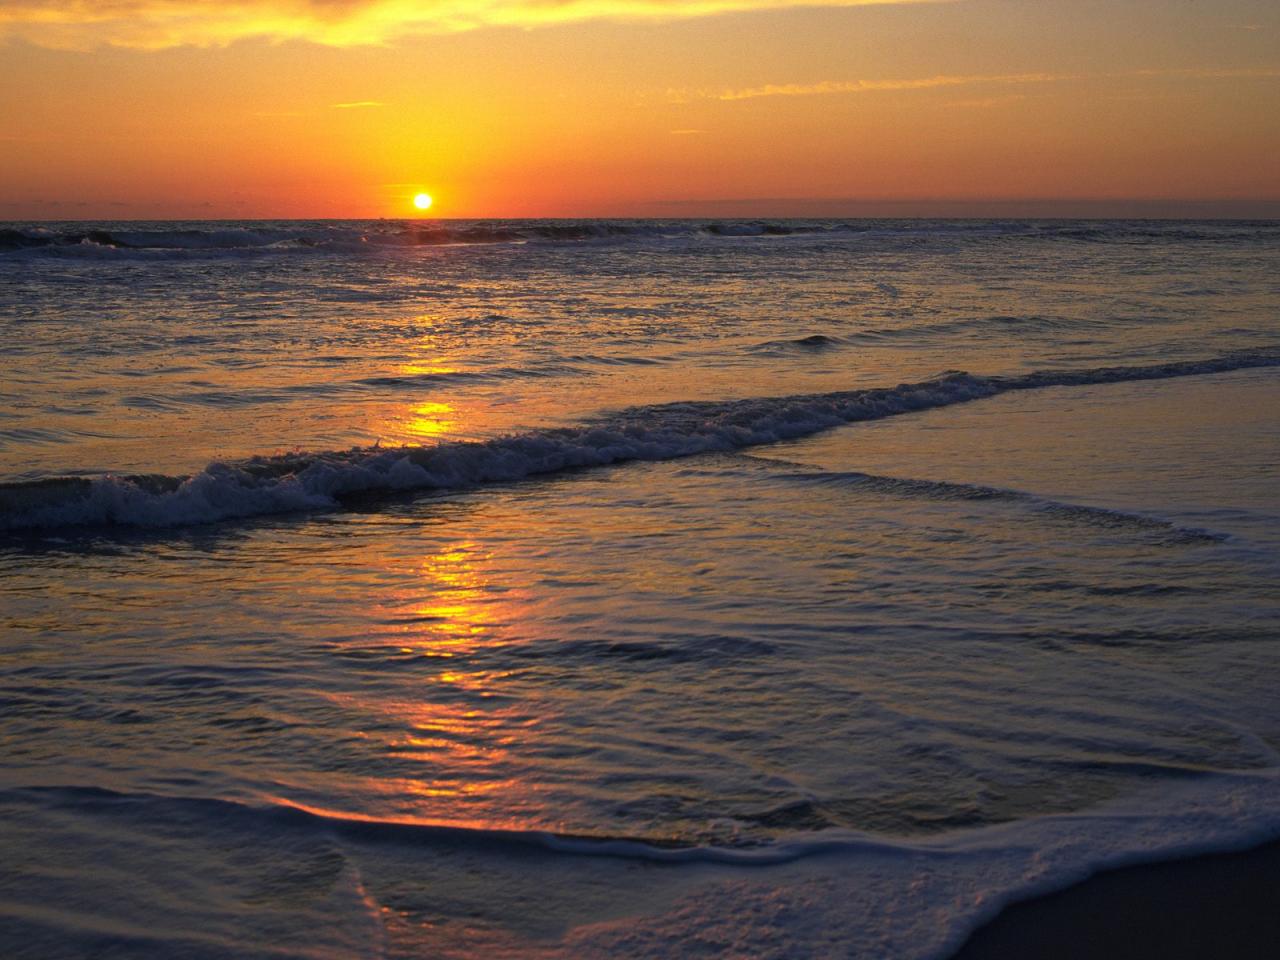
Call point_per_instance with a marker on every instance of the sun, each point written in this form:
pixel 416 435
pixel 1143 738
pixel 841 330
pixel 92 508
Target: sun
pixel 422 201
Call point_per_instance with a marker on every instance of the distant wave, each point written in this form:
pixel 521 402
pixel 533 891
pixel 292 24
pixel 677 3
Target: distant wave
pixel 552 366
pixel 1074 513
pixel 990 326
pixel 351 237
pixel 320 480
pixel 813 343
pixel 385 382
pixel 256 238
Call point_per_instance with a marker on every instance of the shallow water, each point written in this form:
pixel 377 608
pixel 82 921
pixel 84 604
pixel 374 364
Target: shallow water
pixel 688 624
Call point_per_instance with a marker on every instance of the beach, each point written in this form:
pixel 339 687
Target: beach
pixel 1216 905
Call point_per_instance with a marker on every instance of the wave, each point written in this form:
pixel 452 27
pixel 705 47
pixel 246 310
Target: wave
pixel 256 238
pixel 320 480
pixel 290 814
pixel 160 239
pixel 1001 326
pixel 352 237
pixel 701 649
pixel 385 233
pixel 873 896
pixel 377 383
pixel 814 343
pixel 1059 510
pixel 573 365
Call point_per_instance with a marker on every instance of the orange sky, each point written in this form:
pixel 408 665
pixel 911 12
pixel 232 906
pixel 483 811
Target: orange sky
pixel 347 108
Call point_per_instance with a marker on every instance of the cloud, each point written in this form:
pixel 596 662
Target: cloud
pixel 878 86
pixel 986 103
pixel 155 24
pixel 357 105
pixel 1242 73
pixel 929 83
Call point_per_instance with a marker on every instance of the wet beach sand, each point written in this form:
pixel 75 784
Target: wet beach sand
pixel 1219 905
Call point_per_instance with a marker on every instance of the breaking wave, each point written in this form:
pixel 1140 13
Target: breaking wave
pixel 321 480
pixel 79 239
pixel 255 238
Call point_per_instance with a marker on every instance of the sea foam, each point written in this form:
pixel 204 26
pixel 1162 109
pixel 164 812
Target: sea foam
pixel 319 480
pixel 836 893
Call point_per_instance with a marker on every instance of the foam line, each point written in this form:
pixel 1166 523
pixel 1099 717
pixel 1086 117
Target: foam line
pixel 319 481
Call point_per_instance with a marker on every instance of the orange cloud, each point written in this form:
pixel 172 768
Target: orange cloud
pixel 929 83
pixel 876 86
pixel 155 24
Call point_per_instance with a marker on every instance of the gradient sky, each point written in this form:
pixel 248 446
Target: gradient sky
pixel 346 108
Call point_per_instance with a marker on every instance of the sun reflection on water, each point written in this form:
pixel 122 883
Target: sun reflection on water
pixel 462 609
pixel 448 729
pixel 431 420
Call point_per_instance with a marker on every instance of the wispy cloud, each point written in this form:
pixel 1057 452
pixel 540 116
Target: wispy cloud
pixel 155 24
pixel 1211 73
pixel 827 87
pixel 986 103
pixel 358 105
pixel 880 86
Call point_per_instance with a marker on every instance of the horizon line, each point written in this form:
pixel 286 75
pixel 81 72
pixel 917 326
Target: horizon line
pixel 832 208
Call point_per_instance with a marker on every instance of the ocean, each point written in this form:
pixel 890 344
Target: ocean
pixel 625 589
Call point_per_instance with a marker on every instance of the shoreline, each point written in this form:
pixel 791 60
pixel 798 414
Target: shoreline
pixel 1212 905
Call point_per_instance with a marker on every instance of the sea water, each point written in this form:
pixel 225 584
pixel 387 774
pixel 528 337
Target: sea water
pixel 625 588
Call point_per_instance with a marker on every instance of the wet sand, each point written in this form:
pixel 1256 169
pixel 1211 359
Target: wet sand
pixel 1218 906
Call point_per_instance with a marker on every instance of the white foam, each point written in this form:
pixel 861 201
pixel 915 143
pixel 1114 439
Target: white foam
pixel 319 481
pixel 921 901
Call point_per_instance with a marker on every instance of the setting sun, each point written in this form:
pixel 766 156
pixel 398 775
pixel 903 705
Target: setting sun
pixel 803 493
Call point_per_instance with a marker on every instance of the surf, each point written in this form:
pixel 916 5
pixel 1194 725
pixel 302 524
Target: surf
pixel 308 481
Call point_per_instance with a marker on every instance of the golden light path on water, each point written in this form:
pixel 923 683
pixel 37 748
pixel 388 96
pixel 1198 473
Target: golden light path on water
pixel 459 732
pixel 432 420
